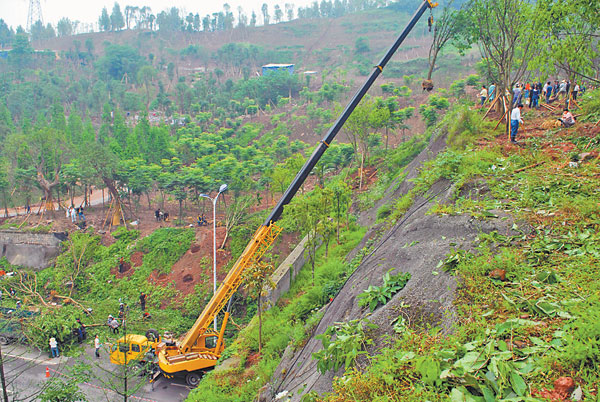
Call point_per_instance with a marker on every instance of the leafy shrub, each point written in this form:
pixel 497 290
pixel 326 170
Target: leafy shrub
pixel 384 211
pixel 342 344
pixel 473 80
pixel 430 111
pixel 376 295
pixel 457 88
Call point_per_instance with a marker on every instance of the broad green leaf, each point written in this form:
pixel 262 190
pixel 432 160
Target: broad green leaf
pixel 518 384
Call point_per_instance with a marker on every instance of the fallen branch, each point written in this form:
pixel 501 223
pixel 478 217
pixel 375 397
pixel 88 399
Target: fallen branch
pixel 71 300
pixel 238 327
pixel 529 167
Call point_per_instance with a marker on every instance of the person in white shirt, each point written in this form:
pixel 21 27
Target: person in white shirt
pixel 515 119
pixel 54 347
pixel 97 346
pixel 483 95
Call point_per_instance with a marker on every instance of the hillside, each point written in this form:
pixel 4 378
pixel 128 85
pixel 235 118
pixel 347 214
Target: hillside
pixel 441 260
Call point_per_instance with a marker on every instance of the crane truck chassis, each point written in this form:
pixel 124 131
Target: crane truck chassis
pixel 202 346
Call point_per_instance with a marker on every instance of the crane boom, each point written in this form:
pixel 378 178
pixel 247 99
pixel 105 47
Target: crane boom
pixel 187 356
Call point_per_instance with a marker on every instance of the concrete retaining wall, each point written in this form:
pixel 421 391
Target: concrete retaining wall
pixel 33 250
pixel 286 272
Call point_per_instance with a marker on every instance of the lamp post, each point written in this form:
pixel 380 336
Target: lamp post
pixel 214 202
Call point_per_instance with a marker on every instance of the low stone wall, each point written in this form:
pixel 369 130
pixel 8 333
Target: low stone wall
pixel 32 250
pixel 284 275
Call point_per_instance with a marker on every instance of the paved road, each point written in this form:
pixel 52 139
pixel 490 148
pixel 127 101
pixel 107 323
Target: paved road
pixel 94 199
pixel 25 370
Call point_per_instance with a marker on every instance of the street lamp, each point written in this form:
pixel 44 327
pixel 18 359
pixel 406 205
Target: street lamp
pixel 214 202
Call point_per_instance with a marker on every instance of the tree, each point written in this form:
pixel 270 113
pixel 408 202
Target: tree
pixel 564 26
pixel 278 14
pixel 46 151
pixel 289 11
pixel 308 213
pixel 4 184
pixel 119 60
pixel 6 34
pixel 89 46
pixel 117 22
pixel 104 20
pixel 38 31
pixel 446 28
pixel 130 12
pixel 64 27
pixel 265 12
pixel 508 34
pixel 20 56
pixel 58 390
pixel 235 213
pixel 341 199
pixel 357 128
pixel 256 278
pixel 146 75
pixel 361 45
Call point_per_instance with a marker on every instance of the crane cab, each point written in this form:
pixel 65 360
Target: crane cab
pixel 132 348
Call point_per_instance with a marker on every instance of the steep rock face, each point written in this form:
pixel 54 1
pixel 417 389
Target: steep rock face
pixel 415 244
pixel 33 250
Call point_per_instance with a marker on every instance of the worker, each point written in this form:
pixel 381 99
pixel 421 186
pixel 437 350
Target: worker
pixel 492 92
pixel 53 347
pixel 483 94
pixel 567 120
pixel 515 119
pixel 143 301
pixel 535 96
pixel 97 346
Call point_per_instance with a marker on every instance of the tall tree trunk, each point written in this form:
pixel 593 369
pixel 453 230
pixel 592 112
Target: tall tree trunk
pixel 180 210
pixel 432 64
pixel 259 323
pixel 338 220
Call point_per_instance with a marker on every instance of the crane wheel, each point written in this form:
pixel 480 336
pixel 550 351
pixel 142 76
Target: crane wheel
pixel 193 379
pixel 152 334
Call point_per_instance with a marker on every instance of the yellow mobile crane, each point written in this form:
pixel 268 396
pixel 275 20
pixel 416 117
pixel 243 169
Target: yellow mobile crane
pixel 202 346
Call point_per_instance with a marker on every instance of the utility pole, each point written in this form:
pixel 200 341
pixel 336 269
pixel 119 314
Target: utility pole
pixel 2 378
pixel 35 14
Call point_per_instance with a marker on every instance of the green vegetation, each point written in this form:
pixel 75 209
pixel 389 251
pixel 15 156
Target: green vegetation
pixel 374 296
pixel 287 323
pixel 342 343
pixel 525 301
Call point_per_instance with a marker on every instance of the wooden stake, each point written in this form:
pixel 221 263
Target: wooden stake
pixel 108 214
pixel 491 107
pixel 502 118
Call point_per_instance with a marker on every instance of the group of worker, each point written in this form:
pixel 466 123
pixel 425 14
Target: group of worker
pixel 77 216
pixel 531 93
